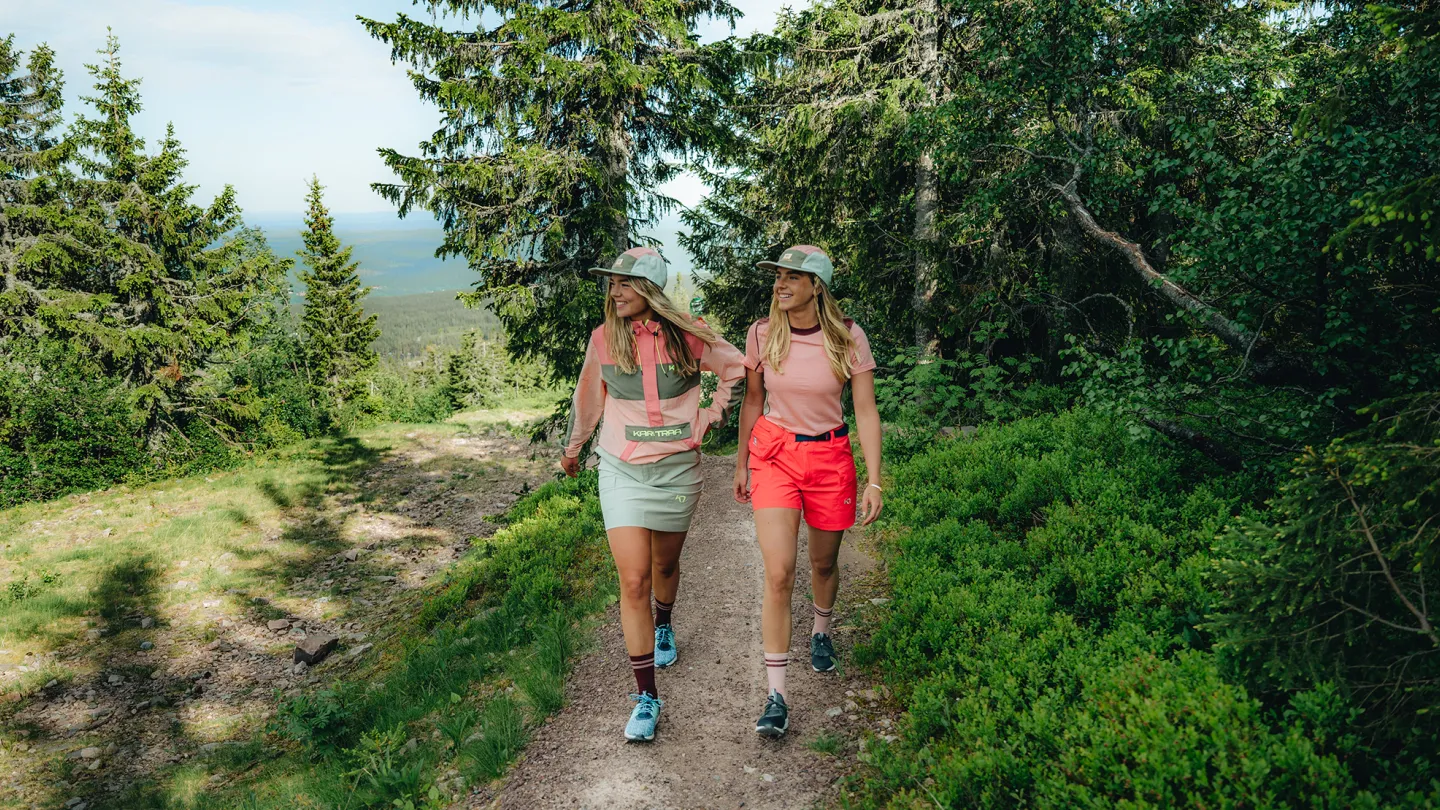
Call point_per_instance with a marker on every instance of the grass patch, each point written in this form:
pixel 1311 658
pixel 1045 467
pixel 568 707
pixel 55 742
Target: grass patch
pixel 504 615
pixel 825 743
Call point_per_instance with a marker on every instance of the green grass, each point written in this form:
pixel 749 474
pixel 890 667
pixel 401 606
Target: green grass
pixel 503 616
pixel 825 743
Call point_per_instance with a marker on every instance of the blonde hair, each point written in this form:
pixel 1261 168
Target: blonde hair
pixel 674 324
pixel 839 343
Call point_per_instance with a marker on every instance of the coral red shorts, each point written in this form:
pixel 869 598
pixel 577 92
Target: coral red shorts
pixel 817 477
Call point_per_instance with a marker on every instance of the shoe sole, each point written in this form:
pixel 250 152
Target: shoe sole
pixel 669 664
pixel 651 738
pixel 773 732
pixel 830 668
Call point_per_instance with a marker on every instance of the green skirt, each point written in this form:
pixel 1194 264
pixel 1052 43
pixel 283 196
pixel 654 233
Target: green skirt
pixel 660 495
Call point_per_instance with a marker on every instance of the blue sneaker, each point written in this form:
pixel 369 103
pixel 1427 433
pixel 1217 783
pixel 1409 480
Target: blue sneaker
pixel 665 652
pixel 644 718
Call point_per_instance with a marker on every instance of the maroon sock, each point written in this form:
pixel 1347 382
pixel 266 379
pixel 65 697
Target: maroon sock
pixel 644 666
pixel 662 612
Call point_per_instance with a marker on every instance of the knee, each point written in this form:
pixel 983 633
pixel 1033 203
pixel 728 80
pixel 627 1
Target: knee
pixel 780 580
pixel 635 586
pixel 822 569
pixel 667 568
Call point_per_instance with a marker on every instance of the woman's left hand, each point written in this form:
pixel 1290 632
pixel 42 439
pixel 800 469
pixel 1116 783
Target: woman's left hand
pixel 870 505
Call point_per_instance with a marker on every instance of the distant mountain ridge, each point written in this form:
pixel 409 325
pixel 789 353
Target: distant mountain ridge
pixel 397 256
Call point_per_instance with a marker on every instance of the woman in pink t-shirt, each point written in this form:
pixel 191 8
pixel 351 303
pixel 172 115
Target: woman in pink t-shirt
pixel 795 458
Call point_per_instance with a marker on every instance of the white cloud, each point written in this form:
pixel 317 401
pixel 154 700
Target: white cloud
pixel 263 93
pixel 261 98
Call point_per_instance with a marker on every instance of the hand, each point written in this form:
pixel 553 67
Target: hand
pixel 742 484
pixel 870 505
pixel 571 466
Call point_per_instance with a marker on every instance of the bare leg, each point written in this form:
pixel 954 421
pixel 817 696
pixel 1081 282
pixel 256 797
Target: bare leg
pixel 824 574
pixel 778 531
pixel 630 546
pixel 665 564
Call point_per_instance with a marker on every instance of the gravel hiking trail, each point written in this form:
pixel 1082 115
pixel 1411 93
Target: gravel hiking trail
pixel 707 754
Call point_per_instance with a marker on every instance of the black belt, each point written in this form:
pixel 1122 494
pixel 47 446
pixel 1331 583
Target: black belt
pixel 843 430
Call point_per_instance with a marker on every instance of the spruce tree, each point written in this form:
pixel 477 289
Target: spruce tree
pixel 32 211
pixel 338 333
pixel 168 288
pixel 559 121
pixel 835 104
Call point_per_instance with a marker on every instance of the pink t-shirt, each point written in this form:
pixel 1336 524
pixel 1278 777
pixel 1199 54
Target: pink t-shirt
pixel 805 398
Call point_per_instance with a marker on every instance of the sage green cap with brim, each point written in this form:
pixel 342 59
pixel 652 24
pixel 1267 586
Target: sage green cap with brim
pixel 639 262
pixel 806 259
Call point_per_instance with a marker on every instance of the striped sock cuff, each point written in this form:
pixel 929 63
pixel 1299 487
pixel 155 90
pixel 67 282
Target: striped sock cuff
pixel 823 613
pixel 664 605
pixel 642 661
pixel 777 659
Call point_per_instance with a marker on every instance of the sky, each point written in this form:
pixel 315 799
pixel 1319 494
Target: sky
pixel 265 93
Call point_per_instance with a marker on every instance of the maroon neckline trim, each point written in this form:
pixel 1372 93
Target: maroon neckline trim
pixel 810 331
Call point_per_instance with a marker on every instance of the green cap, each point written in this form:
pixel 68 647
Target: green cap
pixel 640 262
pixel 806 259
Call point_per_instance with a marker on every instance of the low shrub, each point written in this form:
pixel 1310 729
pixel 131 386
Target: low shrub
pixel 1048 581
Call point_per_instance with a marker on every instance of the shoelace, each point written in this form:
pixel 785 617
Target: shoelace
pixel 667 637
pixel 774 702
pixel 648 704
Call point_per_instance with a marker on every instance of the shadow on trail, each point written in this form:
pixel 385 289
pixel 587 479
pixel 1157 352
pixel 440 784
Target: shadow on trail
pixel 418 496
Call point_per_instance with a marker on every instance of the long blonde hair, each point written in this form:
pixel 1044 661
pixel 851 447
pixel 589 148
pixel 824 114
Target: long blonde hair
pixel 674 324
pixel 839 344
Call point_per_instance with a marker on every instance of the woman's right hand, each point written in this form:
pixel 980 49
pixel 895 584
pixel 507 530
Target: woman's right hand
pixel 571 466
pixel 742 484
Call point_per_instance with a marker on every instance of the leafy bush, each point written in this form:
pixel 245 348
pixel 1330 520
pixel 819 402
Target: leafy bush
pixel 916 399
pixel 64 426
pixel 316 721
pixel 1048 577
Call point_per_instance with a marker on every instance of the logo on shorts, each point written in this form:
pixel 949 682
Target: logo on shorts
pixel 847 501
pixel 680 498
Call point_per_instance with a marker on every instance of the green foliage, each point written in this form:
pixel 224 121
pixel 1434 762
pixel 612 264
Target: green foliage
pixel 384 772
pixel 502 735
pixel 510 601
pixel 917 398
pixel 18 590
pixel 141 334
pixel 316 721
pixel 1048 581
pixel 64 425
pixel 337 331
pixel 560 124
pixel 1143 193
pixel 1330 584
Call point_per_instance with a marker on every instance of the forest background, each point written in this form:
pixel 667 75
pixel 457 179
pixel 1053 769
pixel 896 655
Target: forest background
pixel 1177 259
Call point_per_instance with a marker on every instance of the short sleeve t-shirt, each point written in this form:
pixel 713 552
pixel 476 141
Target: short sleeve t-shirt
pixel 805 397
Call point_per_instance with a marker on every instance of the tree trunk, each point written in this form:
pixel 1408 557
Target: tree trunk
pixel 617 173
pixel 927 192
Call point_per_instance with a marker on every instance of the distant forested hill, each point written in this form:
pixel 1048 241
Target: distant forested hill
pixel 397 257
pixel 414 292
pixel 409 323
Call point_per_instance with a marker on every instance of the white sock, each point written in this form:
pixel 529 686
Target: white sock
pixel 775 671
pixel 822 620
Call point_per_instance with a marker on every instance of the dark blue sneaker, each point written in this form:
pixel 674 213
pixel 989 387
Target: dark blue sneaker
pixel 644 718
pixel 665 652
pixel 776 718
pixel 822 653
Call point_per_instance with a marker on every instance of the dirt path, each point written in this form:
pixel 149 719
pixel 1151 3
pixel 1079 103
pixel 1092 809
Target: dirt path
pixel 706 754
